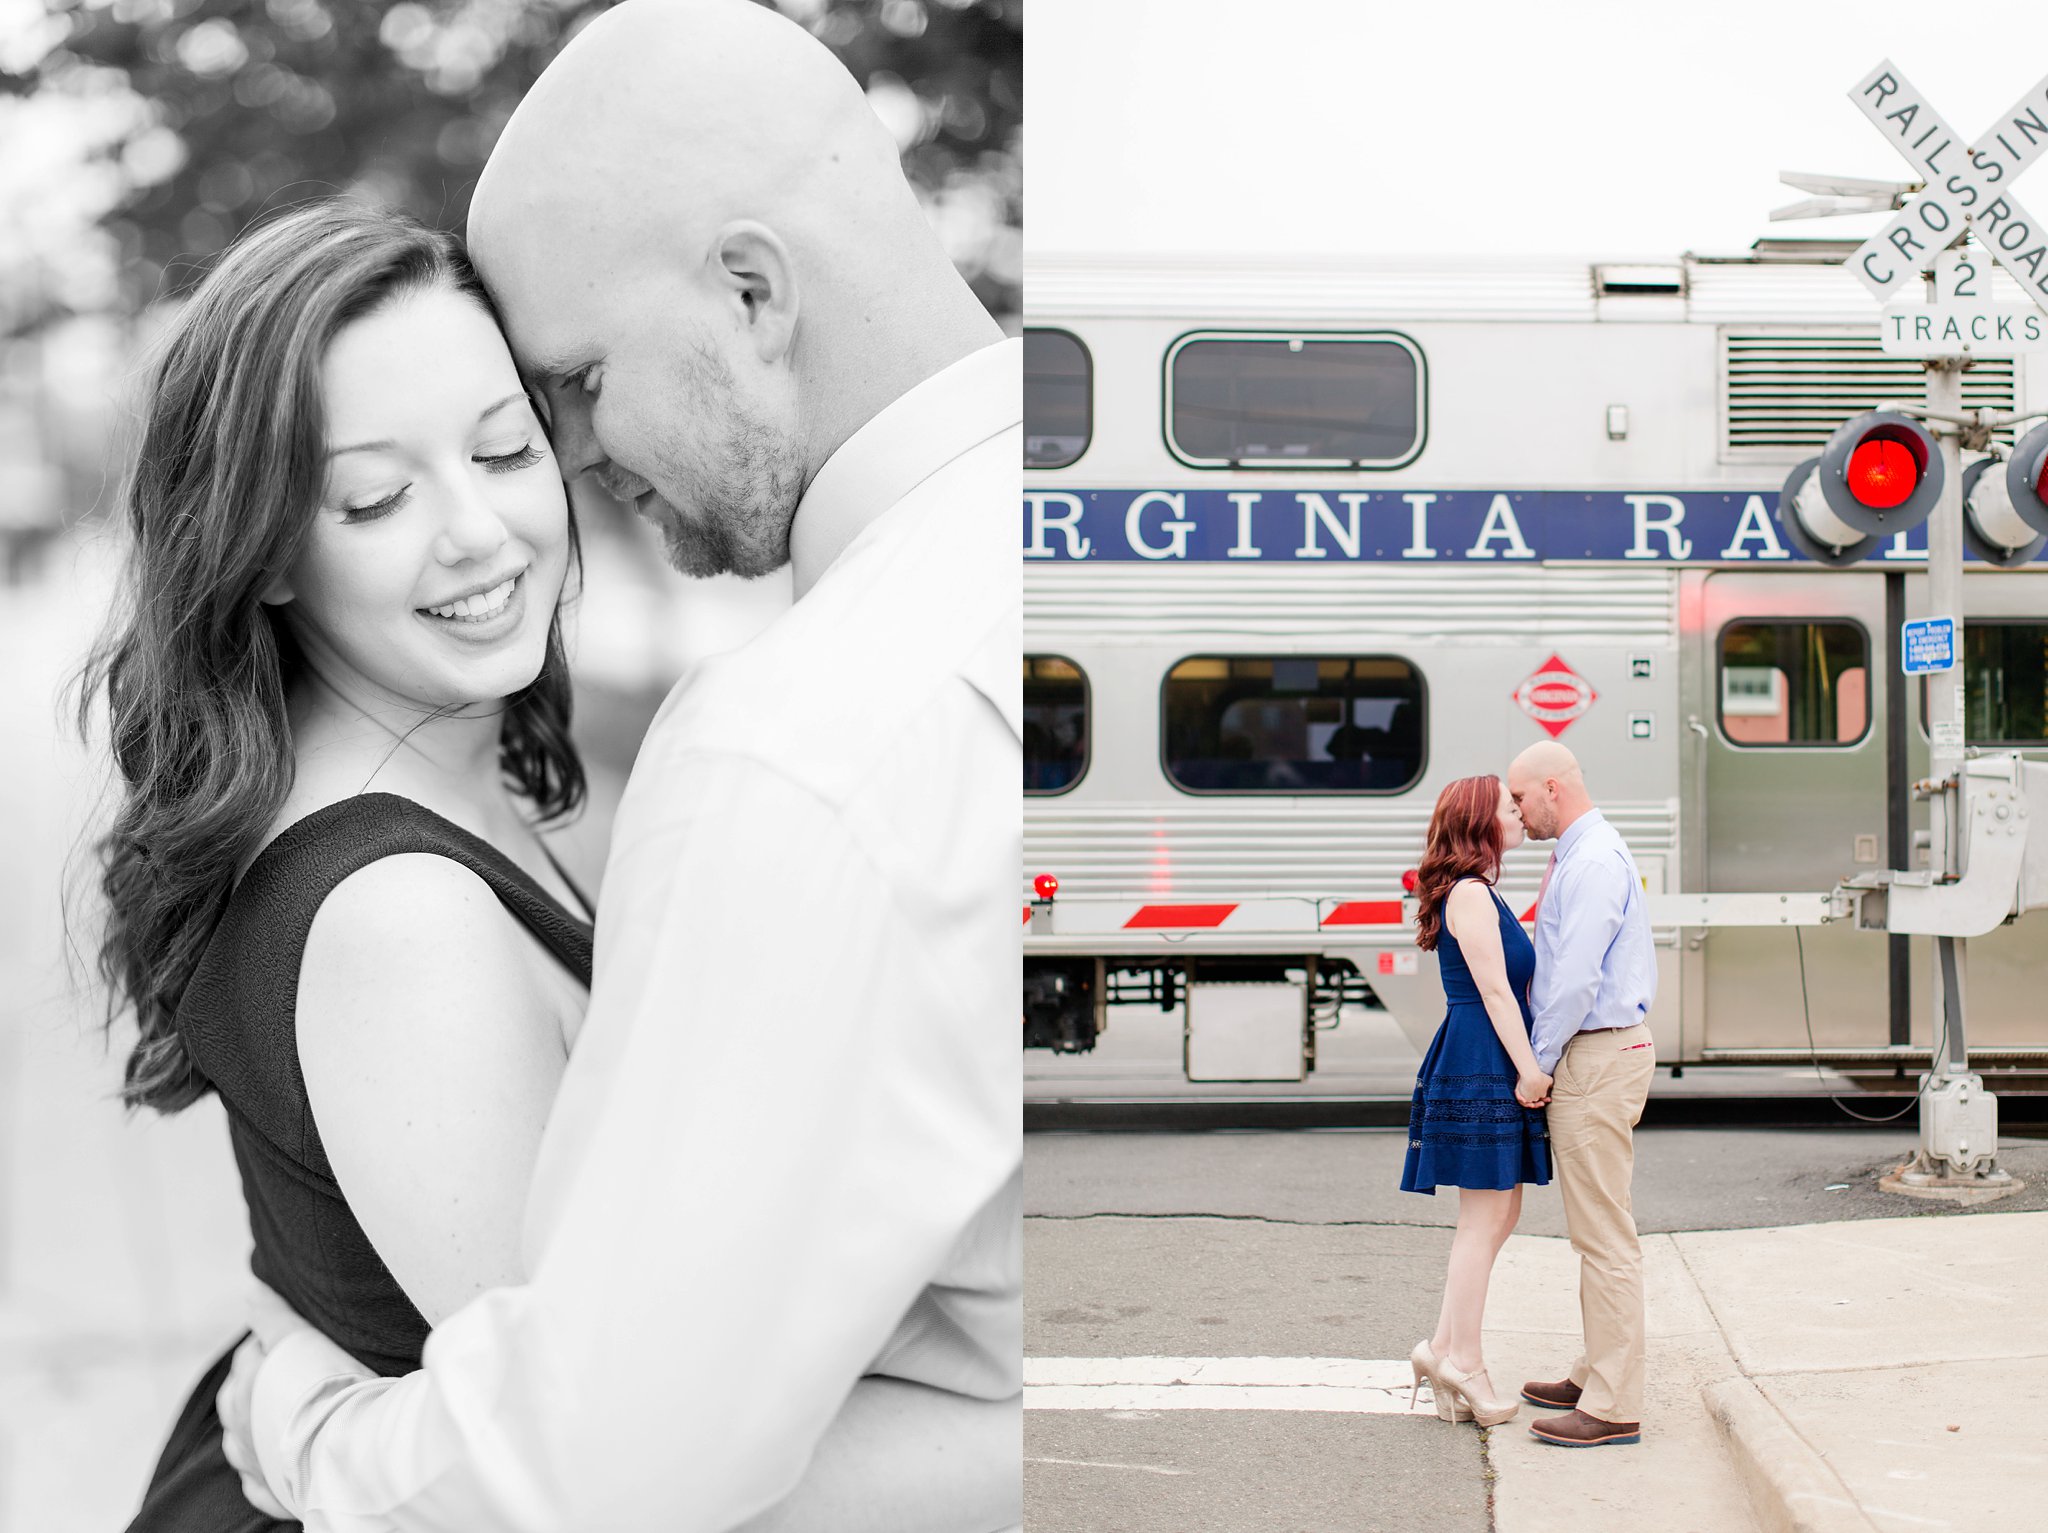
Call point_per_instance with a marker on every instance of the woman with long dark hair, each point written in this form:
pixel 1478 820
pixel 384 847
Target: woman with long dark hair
pixel 339 706
pixel 1476 1122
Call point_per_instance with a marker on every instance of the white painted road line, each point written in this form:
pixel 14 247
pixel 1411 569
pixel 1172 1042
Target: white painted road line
pixel 1096 1463
pixel 1348 1384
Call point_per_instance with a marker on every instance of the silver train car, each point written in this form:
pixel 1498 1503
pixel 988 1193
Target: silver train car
pixel 1304 543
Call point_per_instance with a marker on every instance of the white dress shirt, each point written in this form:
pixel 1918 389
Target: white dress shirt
pixel 1595 964
pixel 788 1148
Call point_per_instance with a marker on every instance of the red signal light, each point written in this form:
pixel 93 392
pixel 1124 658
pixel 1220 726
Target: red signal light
pixel 1045 886
pixel 1883 473
pixel 1409 881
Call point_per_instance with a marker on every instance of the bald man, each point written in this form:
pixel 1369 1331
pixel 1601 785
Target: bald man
pixel 774 1239
pixel 1596 977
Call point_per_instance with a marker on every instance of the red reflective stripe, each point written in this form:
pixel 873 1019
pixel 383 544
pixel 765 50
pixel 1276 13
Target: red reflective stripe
pixel 1027 915
pixel 1528 915
pixel 1150 916
pixel 1365 913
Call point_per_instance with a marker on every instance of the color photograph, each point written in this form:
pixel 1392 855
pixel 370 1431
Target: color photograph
pixel 1536 757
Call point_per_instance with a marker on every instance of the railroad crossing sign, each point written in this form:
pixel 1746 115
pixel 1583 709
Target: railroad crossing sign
pixel 1967 190
pixel 1961 321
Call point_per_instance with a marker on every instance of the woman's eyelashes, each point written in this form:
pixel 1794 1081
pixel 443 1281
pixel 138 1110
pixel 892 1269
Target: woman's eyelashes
pixel 523 456
pixel 376 510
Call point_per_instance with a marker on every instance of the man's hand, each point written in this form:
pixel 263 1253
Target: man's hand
pixel 235 1440
pixel 271 1320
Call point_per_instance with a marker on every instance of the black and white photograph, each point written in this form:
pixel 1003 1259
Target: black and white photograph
pixel 1536 766
pixel 511 741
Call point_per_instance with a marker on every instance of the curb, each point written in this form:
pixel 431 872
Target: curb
pixel 1791 1488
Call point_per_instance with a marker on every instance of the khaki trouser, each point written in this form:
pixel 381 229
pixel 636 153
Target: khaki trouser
pixel 1596 1099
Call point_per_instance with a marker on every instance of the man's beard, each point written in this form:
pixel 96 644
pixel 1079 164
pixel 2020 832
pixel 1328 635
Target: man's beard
pixel 744 481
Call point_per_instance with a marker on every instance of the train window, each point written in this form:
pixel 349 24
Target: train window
pixel 1059 399
pixel 1294 401
pixel 1055 724
pixel 2005 677
pixel 1798 683
pixel 1293 724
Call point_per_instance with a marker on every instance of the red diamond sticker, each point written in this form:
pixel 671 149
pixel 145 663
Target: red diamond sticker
pixel 1555 695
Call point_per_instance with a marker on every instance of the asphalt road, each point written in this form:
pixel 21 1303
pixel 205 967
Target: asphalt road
pixel 1686 1179
pixel 1248 1245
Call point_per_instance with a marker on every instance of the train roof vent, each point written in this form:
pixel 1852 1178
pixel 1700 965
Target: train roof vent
pixel 1786 389
pixel 1781 250
pixel 1644 281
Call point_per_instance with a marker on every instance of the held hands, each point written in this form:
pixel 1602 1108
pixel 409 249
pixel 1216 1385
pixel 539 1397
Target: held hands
pixel 1533 1089
pixel 271 1320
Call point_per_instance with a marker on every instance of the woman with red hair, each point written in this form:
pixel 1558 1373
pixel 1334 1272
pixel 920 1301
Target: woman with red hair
pixel 1476 1123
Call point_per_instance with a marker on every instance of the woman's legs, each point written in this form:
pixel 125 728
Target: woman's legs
pixel 1486 1217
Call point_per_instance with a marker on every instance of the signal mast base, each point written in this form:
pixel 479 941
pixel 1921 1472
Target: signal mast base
pixel 1919 1178
pixel 1957 1161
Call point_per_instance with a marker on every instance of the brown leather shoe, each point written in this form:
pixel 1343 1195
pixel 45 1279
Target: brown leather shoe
pixel 1557 1397
pixel 1578 1430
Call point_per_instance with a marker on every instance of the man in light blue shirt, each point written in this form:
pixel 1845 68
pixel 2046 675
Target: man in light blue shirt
pixel 1596 976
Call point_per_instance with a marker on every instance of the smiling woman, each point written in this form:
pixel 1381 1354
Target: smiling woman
pixel 339 709
pixel 255 589
pixel 438 551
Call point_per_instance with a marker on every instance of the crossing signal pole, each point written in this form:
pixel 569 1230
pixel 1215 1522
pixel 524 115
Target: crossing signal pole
pixel 1889 470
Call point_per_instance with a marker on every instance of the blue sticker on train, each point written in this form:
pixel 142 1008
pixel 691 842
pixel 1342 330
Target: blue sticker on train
pixel 1502 527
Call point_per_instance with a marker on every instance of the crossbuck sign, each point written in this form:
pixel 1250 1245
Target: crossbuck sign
pixel 1968 191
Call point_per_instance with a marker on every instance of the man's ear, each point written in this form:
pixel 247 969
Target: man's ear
pixel 749 261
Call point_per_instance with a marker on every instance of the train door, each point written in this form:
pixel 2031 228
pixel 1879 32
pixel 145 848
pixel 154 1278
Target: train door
pixel 2005 707
pixel 1787 716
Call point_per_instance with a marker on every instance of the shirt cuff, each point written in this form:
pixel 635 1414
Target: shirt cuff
pixel 298 1383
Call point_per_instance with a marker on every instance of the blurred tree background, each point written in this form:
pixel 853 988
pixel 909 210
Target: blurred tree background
pixel 169 125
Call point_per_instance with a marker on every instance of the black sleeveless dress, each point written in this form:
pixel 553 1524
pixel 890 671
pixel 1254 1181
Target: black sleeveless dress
pixel 238 1021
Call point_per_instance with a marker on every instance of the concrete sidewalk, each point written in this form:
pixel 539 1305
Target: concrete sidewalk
pixel 1874 1376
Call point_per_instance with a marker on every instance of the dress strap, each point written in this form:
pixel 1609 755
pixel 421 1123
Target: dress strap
pixel 589 905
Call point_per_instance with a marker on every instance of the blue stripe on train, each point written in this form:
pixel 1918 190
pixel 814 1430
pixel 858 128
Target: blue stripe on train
pixel 1498 527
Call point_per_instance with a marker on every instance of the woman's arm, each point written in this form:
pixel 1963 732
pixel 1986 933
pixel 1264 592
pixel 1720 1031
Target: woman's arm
pixel 431 1043
pixel 1469 912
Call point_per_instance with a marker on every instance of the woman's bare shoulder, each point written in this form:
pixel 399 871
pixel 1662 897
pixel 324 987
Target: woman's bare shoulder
pixel 1468 894
pixel 414 930
pixel 1467 909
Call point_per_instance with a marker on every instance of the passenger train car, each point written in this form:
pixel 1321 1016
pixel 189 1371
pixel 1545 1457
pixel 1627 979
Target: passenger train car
pixel 1302 543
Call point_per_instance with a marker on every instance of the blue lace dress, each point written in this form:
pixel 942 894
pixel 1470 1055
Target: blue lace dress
pixel 1465 1128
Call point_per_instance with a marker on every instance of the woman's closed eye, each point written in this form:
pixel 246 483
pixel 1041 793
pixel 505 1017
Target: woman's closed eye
pixel 523 456
pixel 376 510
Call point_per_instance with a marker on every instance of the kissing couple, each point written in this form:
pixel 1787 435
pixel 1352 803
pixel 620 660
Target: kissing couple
pixel 1543 1058
pixel 683 1203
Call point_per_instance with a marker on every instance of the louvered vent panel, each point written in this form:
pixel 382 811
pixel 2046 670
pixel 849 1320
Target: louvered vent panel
pixel 1787 390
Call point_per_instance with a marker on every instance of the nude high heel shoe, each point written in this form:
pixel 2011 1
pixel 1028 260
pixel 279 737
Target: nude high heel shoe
pixel 1425 1365
pixel 1486 1410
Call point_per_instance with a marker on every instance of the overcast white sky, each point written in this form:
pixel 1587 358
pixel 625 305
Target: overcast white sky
pixel 1481 126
